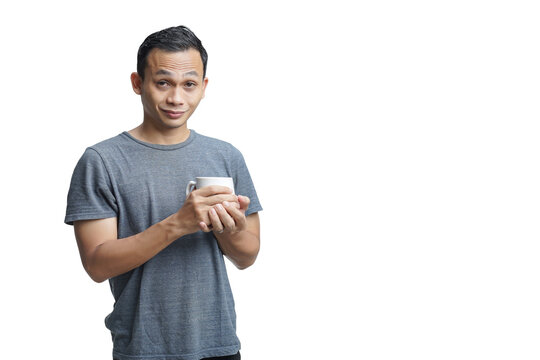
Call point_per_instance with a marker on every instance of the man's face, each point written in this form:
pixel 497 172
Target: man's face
pixel 172 88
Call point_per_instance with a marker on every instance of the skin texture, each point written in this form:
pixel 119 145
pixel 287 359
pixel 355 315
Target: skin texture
pixel 172 86
pixel 172 89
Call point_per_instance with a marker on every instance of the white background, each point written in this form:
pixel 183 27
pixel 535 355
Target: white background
pixel 394 146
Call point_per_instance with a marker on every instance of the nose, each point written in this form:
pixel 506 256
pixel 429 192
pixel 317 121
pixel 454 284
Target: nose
pixel 175 96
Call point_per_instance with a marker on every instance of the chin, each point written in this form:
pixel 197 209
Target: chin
pixel 171 124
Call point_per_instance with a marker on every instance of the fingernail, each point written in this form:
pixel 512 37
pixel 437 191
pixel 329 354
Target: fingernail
pixel 212 211
pixel 226 203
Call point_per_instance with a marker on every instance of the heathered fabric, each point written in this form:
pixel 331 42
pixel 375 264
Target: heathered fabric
pixel 179 304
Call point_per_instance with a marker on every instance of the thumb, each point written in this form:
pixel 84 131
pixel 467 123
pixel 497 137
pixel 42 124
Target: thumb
pixel 244 202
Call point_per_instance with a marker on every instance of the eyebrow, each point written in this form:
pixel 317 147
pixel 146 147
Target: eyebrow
pixel 170 73
pixel 191 73
pixel 164 72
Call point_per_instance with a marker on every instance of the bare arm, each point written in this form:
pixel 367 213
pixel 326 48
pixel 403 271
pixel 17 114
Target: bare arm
pixel 238 235
pixel 104 255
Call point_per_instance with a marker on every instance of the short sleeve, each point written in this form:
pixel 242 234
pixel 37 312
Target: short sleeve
pixel 242 182
pixel 90 193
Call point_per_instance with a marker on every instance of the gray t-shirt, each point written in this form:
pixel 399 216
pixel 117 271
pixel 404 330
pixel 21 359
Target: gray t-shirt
pixel 179 304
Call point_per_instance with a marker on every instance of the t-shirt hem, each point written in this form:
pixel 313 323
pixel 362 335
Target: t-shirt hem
pixel 69 219
pixel 214 352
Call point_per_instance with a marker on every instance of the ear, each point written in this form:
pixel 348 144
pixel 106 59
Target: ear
pixel 136 83
pixel 205 82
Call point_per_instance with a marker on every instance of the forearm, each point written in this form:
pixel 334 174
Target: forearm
pixel 118 256
pixel 105 256
pixel 241 248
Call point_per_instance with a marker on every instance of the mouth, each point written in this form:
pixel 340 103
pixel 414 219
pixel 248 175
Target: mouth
pixel 173 114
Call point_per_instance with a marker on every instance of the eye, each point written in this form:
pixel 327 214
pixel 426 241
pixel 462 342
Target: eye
pixel 162 83
pixel 190 84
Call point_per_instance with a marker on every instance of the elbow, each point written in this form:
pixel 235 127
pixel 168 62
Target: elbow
pixel 244 265
pixel 246 261
pixel 93 267
pixel 97 278
pixel 94 273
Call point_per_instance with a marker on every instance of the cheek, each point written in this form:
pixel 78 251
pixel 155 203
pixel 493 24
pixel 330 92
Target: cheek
pixel 154 99
pixel 149 103
pixel 195 97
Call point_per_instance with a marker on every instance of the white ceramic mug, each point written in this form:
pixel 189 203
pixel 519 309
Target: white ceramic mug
pixel 207 181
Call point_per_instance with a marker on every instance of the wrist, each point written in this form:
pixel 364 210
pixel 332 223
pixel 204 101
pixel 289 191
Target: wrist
pixel 174 227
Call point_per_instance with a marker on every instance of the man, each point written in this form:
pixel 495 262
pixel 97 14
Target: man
pixel 162 251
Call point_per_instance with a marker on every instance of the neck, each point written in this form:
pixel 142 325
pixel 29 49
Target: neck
pixel 149 134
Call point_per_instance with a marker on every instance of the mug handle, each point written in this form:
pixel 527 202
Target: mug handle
pixel 190 186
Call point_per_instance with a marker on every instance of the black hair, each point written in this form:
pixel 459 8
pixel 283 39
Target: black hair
pixel 178 38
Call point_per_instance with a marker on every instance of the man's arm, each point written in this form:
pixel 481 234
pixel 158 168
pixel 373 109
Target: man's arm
pixel 104 255
pixel 238 235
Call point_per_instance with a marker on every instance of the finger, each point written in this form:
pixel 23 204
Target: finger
pixel 219 199
pixel 224 197
pixel 217 226
pixel 236 214
pixel 226 219
pixel 211 199
pixel 204 227
pixel 244 202
pixel 214 190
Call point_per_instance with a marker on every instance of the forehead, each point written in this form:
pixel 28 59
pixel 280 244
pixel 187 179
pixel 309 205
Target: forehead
pixel 179 62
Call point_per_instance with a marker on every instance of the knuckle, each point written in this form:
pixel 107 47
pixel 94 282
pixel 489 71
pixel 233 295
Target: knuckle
pixel 199 214
pixel 230 225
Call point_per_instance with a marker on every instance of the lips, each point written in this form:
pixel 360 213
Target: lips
pixel 173 114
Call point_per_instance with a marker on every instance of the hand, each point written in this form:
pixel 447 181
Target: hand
pixel 228 217
pixel 195 210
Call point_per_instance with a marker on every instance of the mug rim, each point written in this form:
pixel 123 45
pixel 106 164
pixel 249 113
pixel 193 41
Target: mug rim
pixel 213 177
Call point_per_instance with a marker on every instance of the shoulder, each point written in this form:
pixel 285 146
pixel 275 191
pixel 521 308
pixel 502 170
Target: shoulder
pixel 101 152
pixel 106 150
pixel 211 141
pixel 109 145
pixel 217 145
